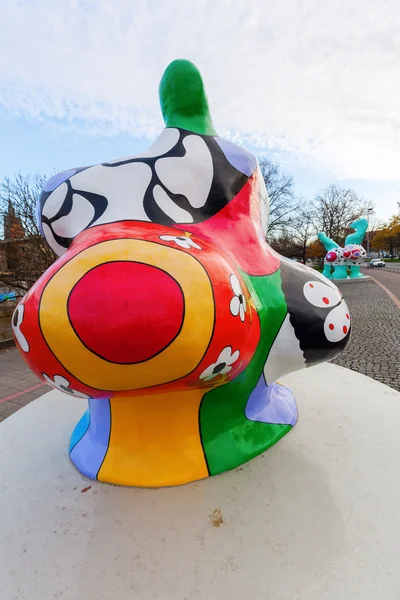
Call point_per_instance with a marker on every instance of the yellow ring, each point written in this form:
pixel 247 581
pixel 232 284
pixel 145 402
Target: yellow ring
pixel 177 360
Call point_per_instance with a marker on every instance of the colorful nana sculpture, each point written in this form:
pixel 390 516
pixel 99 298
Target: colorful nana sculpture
pixel 338 261
pixel 167 310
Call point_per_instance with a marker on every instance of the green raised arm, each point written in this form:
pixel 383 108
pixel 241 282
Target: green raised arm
pixel 357 237
pixel 183 99
pixel 327 242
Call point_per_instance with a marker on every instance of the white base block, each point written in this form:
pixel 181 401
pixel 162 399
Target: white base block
pixel 315 518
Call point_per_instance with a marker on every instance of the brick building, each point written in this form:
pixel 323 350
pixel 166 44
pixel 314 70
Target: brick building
pixel 13 233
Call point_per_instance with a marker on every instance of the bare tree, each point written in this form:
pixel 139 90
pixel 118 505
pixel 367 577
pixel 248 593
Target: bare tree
pixel 335 209
pixel 281 198
pixel 302 229
pixel 27 254
pixel 284 245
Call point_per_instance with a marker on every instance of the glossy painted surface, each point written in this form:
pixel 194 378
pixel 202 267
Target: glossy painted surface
pixel 167 310
pixel 341 263
pixel 183 98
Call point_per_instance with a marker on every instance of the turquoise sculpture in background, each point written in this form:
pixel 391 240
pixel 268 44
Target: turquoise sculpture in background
pixel 340 261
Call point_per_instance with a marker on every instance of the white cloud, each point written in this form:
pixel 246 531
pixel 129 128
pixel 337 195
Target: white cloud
pixel 320 80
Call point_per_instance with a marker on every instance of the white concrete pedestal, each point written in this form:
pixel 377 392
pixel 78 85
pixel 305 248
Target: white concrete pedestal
pixel 315 518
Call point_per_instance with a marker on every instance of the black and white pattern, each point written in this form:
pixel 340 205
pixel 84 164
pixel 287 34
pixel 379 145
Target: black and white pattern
pixel 285 355
pixel 317 312
pixel 60 383
pixel 335 257
pixel 182 178
pixel 16 323
pixel 354 254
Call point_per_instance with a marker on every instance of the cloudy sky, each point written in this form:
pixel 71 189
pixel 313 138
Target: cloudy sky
pixel 315 85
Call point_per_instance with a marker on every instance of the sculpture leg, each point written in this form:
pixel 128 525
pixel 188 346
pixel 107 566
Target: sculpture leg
pixel 272 404
pixel 167 440
pixel 340 272
pixel 355 272
pixel 141 441
pixel 236 427
pixel 327 272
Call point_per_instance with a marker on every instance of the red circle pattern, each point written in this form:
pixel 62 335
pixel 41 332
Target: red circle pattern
pixel 116 310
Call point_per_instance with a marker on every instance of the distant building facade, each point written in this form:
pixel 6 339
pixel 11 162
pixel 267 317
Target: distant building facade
pixel 13 233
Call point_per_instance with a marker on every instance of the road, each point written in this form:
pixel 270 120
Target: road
pixel 390 280
pixel 389 265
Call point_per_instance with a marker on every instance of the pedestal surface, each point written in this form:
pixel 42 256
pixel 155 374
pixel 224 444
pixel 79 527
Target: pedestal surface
pixel 315 517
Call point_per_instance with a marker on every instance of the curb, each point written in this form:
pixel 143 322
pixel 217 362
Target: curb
pixel 7 343
pixel 392 270
pixel 352 280
pixel 389 293
pixel 382 269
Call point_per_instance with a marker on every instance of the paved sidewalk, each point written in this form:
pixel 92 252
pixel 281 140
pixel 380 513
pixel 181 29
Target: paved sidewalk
pixel 18 386
pixel 374 347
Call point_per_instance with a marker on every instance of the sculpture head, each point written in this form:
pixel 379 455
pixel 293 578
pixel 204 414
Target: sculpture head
pixel 167 309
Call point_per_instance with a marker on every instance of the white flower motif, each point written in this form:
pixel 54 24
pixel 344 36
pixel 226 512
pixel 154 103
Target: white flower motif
pixel 222 364
pixel 238 303
pixel 17 319
pixel 182 241
pixel 62 384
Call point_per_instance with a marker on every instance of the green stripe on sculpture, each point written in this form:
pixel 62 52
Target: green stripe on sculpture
pixel 183 99
pixel 229 438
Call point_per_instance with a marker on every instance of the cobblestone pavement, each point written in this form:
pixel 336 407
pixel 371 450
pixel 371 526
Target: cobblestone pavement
pixel 374 347
pixel 18 385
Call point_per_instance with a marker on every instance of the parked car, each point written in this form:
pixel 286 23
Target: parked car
pixel 377 262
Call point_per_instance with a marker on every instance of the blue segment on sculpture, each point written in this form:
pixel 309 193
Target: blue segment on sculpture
pixel 93 435
pixel 80 430
pixel 273 403
pixel 238 157
pixel 58 179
